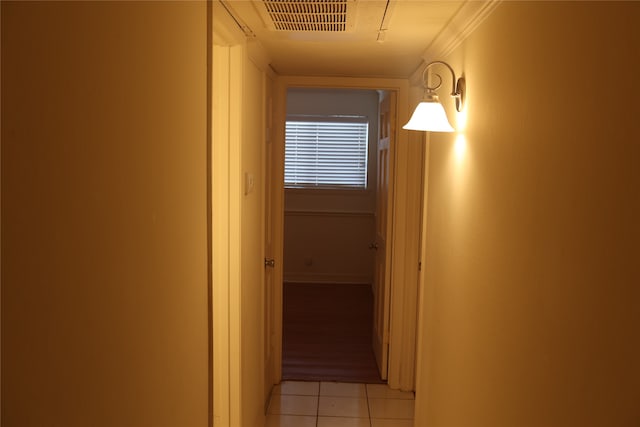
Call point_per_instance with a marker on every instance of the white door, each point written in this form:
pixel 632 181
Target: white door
pixel 384 189
pixel 270 371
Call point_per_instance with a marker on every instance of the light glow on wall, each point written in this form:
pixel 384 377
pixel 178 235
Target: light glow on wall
pixel 460 147
pixel 460 144
pixel 461 120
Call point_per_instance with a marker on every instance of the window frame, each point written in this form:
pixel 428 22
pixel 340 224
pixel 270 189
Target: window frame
pixel 328 187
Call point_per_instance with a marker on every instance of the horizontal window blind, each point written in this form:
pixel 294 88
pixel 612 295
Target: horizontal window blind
pixel 326 154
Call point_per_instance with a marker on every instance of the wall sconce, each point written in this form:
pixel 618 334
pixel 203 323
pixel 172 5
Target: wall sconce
pixel 429 115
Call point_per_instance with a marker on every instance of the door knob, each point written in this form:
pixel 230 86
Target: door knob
pixel 269 262
pixel 373 245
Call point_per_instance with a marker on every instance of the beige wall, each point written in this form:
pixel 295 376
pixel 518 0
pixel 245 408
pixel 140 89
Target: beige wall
pixel 532 295
pixel 104 279
pixel 325 247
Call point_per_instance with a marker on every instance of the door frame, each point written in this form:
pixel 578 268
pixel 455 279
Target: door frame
pixel 405 210
pixel 228 51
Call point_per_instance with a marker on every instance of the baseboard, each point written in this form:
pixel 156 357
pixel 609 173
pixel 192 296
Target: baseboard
pixel 331 280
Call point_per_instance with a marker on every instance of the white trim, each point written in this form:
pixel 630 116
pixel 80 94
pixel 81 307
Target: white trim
pixel 462 24
pixel 302 277
pixel 237 20
pixel 235 232
pixel 227 79
pixel 404 263
pixel 220 229
pixel 329 213
pixel 423 369
pixel 407 193
pixel 259 57
pixel 225 30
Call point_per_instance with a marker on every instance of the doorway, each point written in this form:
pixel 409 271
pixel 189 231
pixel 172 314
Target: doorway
pixel 333 212
pixel 404 211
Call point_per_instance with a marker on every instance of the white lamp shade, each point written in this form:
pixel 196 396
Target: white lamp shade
pixel 429 116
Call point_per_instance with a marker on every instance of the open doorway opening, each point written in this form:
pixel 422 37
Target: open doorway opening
pixel 336 287
pixel 403 219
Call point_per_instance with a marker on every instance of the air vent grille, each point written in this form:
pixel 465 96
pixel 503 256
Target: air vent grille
pixel 309 15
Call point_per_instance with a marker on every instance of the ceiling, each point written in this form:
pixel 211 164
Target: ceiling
pixel 377 38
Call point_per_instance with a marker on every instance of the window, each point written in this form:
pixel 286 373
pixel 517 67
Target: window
pixel 326 152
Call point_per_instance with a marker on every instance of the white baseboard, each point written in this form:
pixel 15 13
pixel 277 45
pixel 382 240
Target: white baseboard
pixel 326 278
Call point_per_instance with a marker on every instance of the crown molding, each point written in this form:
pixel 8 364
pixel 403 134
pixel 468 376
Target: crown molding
pixel 260 57
pixel 226 31
pixel 462 24
pixel 229 30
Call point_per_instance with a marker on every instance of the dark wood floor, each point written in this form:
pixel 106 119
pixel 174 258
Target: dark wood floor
pixel 327 333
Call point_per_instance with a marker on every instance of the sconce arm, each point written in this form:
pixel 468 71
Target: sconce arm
pixel 453 77
pixel 457 88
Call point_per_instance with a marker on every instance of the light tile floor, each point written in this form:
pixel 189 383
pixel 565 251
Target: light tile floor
pixel 328 404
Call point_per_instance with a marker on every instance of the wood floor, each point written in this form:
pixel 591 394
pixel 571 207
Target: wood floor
pixel 327 333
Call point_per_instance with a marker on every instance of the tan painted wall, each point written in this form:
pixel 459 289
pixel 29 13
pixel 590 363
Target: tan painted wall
pixel 325 247
pixel 104 279
pixel 532 296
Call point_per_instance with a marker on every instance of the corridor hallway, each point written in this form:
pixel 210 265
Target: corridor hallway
pixel 330 404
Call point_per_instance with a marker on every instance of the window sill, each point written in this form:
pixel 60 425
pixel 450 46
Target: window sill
pixel 328 191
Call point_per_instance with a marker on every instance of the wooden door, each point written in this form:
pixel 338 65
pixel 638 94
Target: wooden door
pixel 384 189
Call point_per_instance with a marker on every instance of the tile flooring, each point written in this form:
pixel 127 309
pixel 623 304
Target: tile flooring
pixel 329 404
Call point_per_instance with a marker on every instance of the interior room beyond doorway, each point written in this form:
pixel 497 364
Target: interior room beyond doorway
pixel 328 235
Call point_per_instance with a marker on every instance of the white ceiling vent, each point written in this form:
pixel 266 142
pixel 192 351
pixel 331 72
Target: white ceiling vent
pixel 310 15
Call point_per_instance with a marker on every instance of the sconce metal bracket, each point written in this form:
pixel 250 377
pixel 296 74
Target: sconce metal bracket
pixel 458 85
